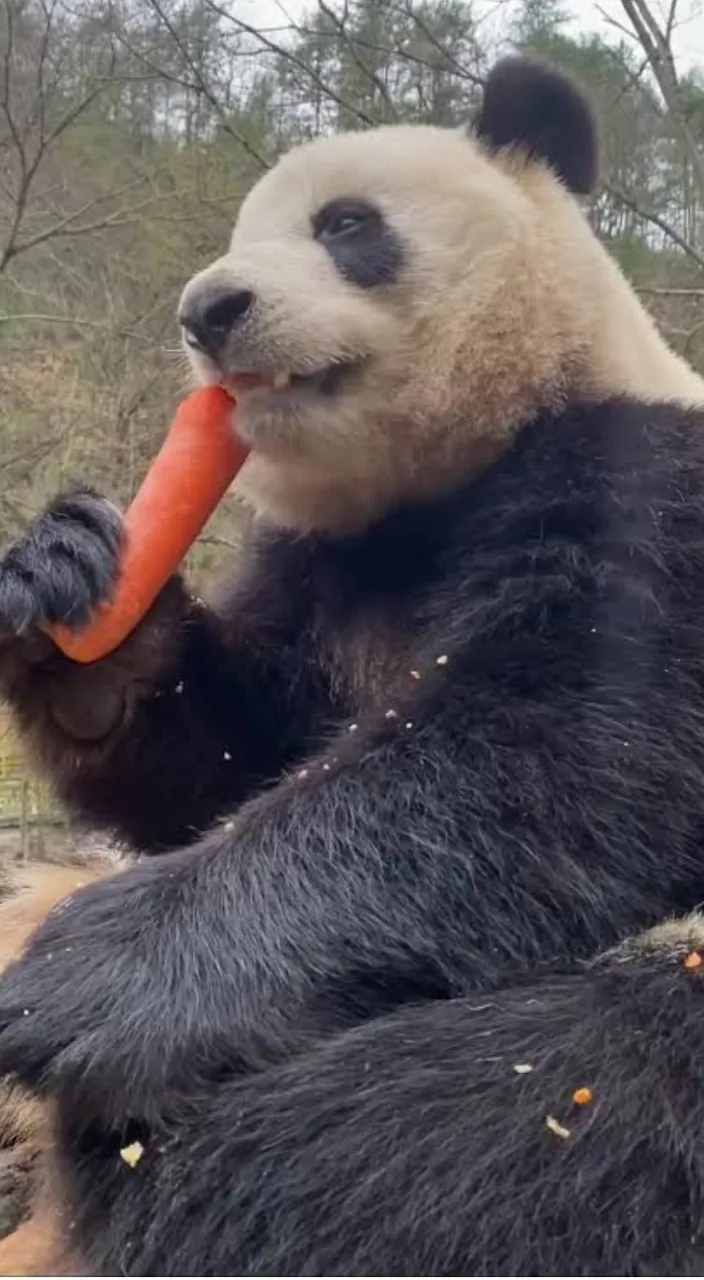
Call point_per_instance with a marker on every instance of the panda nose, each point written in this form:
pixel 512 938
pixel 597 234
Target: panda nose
pixel 212 315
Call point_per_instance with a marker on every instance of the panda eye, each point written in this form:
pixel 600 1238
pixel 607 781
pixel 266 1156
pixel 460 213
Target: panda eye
pixel 343 222
pixel 342 218
pixel 361 245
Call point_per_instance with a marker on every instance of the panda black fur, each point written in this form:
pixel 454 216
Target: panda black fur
pixel 446 746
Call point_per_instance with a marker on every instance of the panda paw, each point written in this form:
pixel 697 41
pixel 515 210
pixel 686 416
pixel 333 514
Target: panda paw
pixel 63 567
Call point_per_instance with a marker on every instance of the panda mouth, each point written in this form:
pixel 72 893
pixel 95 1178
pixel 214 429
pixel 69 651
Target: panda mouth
pixel 284 384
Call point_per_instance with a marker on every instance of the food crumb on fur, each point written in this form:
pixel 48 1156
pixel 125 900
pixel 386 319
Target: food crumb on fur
pixel 132 1154
pixel 555 1127
pixel 583 1096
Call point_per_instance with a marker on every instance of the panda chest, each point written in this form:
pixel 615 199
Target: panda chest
pixel 365 656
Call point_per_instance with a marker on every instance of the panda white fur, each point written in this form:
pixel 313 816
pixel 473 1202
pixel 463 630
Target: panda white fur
pixel 422 785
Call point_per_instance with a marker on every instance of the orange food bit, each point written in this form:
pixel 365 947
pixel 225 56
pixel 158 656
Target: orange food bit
pixel 582 1096
pixel 692 961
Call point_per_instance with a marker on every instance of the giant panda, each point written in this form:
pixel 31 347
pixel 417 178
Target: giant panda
pixel 407 975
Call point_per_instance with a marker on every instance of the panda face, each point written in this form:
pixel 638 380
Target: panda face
pixel 342 260
pixel 395 302
pixel 345 315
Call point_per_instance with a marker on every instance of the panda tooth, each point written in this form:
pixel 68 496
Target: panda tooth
pixel 281 380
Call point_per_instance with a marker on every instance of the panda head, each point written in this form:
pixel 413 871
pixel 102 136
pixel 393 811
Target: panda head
pixel 395 303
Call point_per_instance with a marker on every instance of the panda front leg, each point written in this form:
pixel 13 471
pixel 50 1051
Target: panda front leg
pixel 320 904
pixel 37 1245
pixel 556 1129
pixel 178 725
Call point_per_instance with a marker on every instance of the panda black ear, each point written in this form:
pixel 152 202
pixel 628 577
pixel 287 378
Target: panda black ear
pixel 541 111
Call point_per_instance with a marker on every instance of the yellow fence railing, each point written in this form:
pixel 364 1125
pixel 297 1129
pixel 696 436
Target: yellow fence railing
pixel 25 800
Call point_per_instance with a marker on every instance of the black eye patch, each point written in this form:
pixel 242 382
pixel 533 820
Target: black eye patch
pixel 364 248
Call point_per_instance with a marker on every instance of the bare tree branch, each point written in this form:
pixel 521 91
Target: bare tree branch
pixel 199 83
pixel 663 291
pixel 31 151
pixel 655 41
pixel 75 322
pixel 649 215
pixel 359 62
pixel 290 55
pixel 449 57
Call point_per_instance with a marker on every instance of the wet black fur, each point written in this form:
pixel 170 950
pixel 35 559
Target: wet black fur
pixel 531 106
pixel 312 1015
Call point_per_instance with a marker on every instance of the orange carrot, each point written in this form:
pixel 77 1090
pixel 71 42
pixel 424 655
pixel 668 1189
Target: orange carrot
pixel 196 464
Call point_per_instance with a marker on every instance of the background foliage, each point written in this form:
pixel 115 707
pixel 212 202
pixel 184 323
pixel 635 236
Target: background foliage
pixel 131 129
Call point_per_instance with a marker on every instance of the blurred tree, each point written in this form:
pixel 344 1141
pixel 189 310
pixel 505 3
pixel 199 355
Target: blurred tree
pixel 131 129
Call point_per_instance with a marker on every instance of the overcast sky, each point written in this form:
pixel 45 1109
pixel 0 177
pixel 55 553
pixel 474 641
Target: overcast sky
pixel 689 36
pixel 588 16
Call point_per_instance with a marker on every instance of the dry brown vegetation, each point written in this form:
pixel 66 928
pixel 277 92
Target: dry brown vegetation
pixel 130 129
